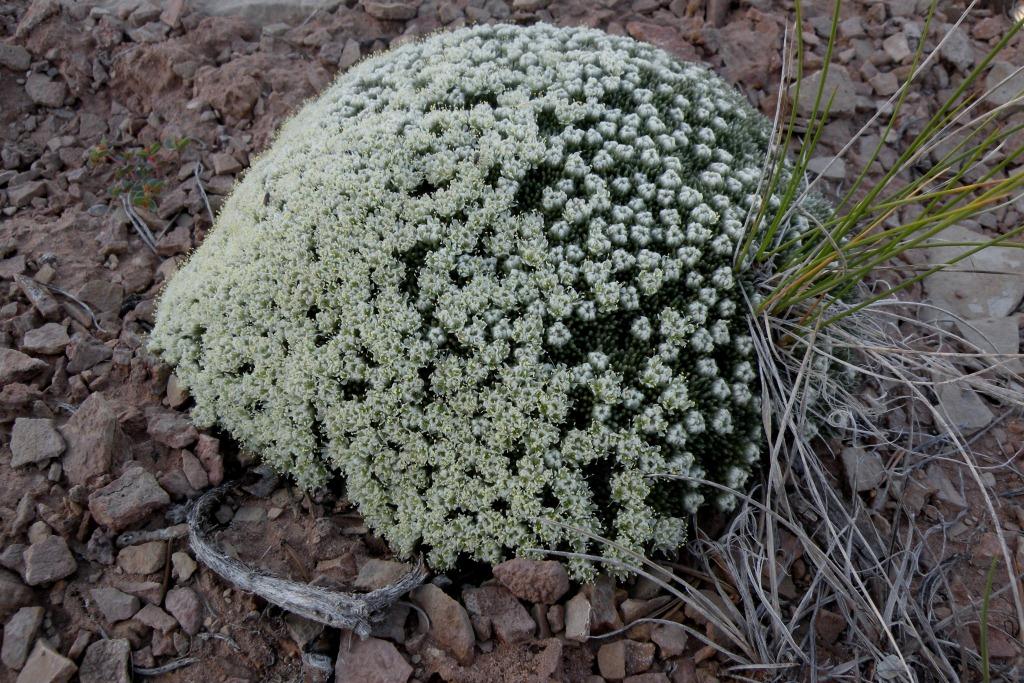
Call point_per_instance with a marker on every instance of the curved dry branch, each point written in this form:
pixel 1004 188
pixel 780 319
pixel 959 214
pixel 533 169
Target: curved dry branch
pixel 355 611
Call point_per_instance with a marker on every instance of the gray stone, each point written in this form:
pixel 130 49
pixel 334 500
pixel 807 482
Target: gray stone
pixel 44 91
pixel 671 640
pixel 371 661
pixel 350 54
pixel 115 605
pixel 171 428
pixel 185 606
pixel 94 440
pixel 577 618
pixel 48 560
pixel 16 366
pixel 34 440
pixel 155 618
pixel 13 593
pixel 86 352
pixel 449 623
pixel 102 295
pixel 897 47
pixel 46 665
pixel 996 336
pixel 838 82
pixel 107 661
pixel 987 284
pixel 225 163
pixel 39 297
pixel 23 194
pixel 958 50
pixel 391 10
pixel 19 634
pixel 509 619
pixel 543 581
pixel 962 407
pixel 864 469
pixel 49 339
pixel 14 57
pixel 128 499
pixel 831 168
pixel 145 558
pixel 1005 84
pixel 184 566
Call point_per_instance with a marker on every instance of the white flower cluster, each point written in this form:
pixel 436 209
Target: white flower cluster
pixel 487 278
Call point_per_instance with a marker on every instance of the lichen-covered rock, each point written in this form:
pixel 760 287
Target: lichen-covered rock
pixel 489 278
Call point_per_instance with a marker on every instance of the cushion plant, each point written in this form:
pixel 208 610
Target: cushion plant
pixel 489 279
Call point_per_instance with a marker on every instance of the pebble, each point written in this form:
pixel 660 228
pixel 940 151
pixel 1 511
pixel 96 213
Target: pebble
pixel 370 661
pixel 19 633
pixel 671 640
pixel 13 593
pixel 48 560
pixel 604 615
pixel 837 82
pixel 170 428
pixel 864 469
pixel 1004 83
pixel 45 91
pixel 94 440
pixel 829 626
pixel 16 366
pixel 14 57
pixel 449 622
pixel 49 339
pixel 34 440
pixel 46 665
pixel 114 604
pixel 156 618
pixel 577 618
pixel 374 573
pixel 507 616
pixel 224 163
pixel 130 498
pixel 542 581
pixel 183 566
pixel 184 604
pixel 896 47
pixel 145 558
pixel 107 661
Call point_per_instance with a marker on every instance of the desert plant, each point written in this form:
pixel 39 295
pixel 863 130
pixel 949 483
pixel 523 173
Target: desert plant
pixel 137 173
pixel 489 277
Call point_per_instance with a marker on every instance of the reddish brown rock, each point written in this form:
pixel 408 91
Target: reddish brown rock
pixel 371 661
pixel 94 440
pixel 509 619
pixel 128 499
pixel 543 581
pixel 449 623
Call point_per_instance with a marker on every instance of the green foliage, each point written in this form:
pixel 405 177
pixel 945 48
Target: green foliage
pixel 138 172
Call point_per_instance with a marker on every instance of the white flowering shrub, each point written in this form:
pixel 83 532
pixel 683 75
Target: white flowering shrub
pixel 487 277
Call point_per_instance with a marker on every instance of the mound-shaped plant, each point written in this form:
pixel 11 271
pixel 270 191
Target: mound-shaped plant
pixel 489 279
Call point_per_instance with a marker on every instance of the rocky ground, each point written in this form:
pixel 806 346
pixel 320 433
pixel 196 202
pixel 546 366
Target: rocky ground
pixel 98 458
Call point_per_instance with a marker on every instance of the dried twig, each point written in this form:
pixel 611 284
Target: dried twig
pixel 145 234
pixel 136 537
pixel 166 668
pixel 356 612
pixel 202 190
pixel 78 301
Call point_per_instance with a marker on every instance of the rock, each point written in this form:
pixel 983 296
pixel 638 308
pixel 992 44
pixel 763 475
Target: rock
pixel 391 10
pixel 46 665
pixel 944 489
pixel 611 660
pixel 715 12
pixel 207 450
pixel 374 573
pixel 34 440
pixel 172 12
pixel 577 618
pixel 652 677
pixel 301 630
pixel 94 440
pixel 228 89
pixel 884 83
pixel 509 619
pixel 961 406
pixel 177 241
pixel 185 606
pixel 23 194
pixel 107 661
pixel 15 366
pixel 48 560
pixel 988 284
pixel 543 581
pixel 665 36
pixel 997 336
pixel 371 661
pixel 864 469
pixel 829 626
pixel 14 57
pixel 250 514
pixel 958 50
pixel 170 428
pixel 145 558
pixel 838 82
pixel 128 499
pixel 85 352
pixel 830 168
pixel 1004 84
pixel 50 339
pixel 184 566
pixel 102 295
pixel 639 656
pixel 115 605
pixel 671 640
pixel 449 623
pixel 350 54
pixel 604 615
pixel 13 593
pixel 224 163
pixel 896 47
pixel 19 633
pixel 39 297
pixel 44 91
pixel 194 472
pixel 157 619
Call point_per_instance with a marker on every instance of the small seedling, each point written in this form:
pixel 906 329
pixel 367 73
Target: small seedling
pixel 138 172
